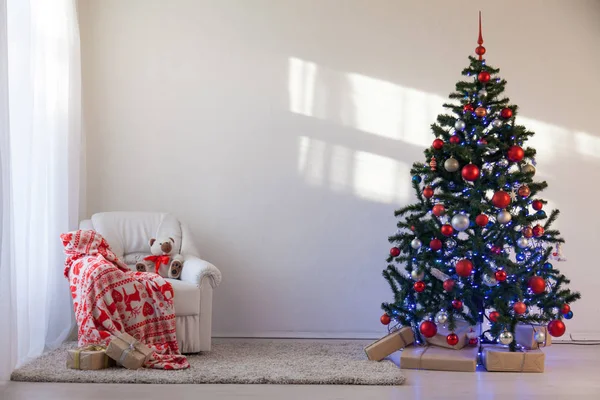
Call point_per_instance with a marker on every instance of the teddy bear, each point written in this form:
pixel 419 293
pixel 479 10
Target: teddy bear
pixel 162 250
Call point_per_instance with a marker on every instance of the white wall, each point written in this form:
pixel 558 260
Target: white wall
pixel 283 132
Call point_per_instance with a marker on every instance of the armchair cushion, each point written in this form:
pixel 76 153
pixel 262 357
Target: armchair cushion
pixel 186 299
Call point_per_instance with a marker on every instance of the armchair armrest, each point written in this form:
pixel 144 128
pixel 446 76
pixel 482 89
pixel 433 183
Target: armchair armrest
pixel 195 269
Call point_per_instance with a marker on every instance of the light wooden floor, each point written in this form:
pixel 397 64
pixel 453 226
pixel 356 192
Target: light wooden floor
pixel 572 372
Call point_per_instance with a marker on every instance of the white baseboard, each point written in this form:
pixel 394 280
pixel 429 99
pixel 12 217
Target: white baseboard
pixel 574 337
pixel 301 335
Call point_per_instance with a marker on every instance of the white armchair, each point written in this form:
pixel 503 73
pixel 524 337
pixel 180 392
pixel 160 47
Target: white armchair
pixel 128 234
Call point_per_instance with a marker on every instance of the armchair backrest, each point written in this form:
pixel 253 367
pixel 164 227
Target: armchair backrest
pixel 129 233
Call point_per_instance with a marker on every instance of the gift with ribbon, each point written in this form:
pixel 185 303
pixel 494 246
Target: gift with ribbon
pixel 90 357
pixel 501 359
pixel 461 330
pixel 439 358
pixel 128 351
pixel 525 335
pixel 390 343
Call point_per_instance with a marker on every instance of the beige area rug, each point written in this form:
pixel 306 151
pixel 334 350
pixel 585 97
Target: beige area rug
pixel 238 361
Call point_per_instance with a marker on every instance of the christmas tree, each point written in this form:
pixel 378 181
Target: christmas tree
pixel 477 244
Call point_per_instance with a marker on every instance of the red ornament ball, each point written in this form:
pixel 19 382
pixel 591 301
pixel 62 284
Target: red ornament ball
pixel 470 172
pixel 412 228
pixel 496 249
pixel 494 315
pixel 464 267
pixel 483 77
pixel 480 50
pixel 537 205
pixel 537 284
pixel 449 285
pixel 500 275
pixel 501 199
pixel 556 328
pixel 385 319
pixel 438 144
pixel 480 112
pixel 447 230
pixel 438 210
pixel 419 286
pixel 468 108
pixel 519 308
pixel 565 309
pixel 527 232
pixel 428 192
pixel 454 139
pixel 394 252
pixel 538 230
pixel 428 329
pixel 457 304
pixel 482 220
pixel 515 153
pixel 506 113
pixel 435 244
pixel 473 342
pixel 524 191
pixel 452 339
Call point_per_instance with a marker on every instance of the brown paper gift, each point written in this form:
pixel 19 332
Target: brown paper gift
pixel 439 359
pixel 500 359
pixel 390 343
pixel 89 358
pixel 462 328
pixel 524 336
pixel 128 351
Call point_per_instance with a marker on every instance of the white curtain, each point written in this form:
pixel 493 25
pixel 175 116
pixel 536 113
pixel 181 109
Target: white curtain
pixel 40 139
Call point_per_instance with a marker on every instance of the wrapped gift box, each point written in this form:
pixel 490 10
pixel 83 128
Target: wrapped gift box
pixel 524 336
pixel 501 359
pixel 439 358
pixel 127 351
pixel 390 343
pixel 462 328
pixel 89 358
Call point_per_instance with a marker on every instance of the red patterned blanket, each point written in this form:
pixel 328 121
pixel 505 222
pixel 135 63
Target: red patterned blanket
pixel 109 298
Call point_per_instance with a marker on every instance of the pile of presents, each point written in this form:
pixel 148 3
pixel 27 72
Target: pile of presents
pixel 437 354
pixel 123 350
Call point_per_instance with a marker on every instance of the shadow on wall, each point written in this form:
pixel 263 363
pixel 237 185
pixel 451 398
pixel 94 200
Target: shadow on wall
pixel 400 117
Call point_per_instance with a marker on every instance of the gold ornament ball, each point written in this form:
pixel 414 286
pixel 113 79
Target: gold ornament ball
pixel 505 337
pixel 504 217
pixel 417 275
pixel 480 112
pixel 539 337
pixel 528 169
pixel 452 164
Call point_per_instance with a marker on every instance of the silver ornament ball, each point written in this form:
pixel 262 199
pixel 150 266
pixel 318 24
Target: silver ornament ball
pixel 460 222
pixel 416 244
pixel 441 317
pixel 504 217
pixel 539 337
pixel 497 123
pixel 505 337
pixel 451 165
pixel 450 243
pixel 417 275
pixel 528 169
pixel 489 280
pixel 460 125
pixel 482 93
pixel 523 242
